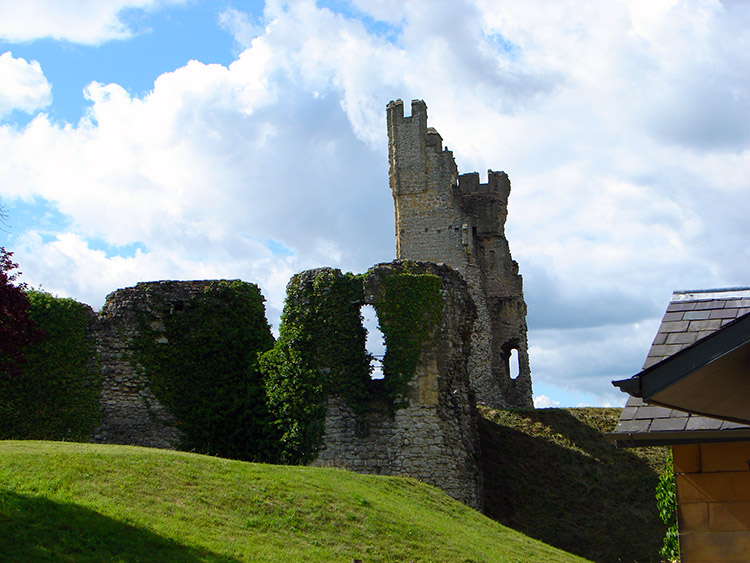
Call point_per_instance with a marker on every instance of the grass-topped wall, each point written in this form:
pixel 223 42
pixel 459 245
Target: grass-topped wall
pixel 56 394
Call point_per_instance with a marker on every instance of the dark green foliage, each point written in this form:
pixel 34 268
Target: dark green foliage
pixel 409 309
pixel 320 351
pixel 206 371
pixel 666 502
pixel 55 396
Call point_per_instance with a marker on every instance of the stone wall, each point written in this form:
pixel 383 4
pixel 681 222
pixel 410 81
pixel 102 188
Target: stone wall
pixel 433 437
pixel 445 217
pixel 131 414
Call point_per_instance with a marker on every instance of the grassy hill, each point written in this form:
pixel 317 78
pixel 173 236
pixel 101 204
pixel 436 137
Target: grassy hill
pixel 550 474
pixel 83 502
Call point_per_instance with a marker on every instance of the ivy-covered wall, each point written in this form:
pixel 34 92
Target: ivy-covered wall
pixel 56 394
pixel 320 351
pixel 419 420
pixel 409 307
pixel 426 427
pixel 201 360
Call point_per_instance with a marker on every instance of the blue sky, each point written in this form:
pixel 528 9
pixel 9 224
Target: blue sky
pixel 168 139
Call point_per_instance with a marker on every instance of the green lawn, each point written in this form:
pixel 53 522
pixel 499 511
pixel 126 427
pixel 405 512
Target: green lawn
pixel 83 502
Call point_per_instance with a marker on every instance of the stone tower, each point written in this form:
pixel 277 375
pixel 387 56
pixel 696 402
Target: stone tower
pixel 442 216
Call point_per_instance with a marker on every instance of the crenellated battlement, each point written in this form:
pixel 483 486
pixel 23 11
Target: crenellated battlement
pixel 497 184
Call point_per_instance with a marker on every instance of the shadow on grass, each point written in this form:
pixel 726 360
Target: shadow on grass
pixel 38 529
pixel 554 477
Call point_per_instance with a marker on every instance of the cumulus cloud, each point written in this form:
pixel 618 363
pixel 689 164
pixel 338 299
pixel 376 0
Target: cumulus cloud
pixel 622 127
pixel 22 85
pixel 90 22
pixel 544 402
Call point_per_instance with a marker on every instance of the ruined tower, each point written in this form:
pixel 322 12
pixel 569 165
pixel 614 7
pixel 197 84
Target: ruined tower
pixel 442 216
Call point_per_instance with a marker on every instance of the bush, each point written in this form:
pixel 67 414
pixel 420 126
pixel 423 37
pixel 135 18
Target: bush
pixel 55 395
pixel 17 329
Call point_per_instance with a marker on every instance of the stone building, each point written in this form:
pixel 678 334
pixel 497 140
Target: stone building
pixel 444 217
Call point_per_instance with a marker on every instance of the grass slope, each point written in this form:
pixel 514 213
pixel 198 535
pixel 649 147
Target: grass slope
pixel 83 502
pixel 550 474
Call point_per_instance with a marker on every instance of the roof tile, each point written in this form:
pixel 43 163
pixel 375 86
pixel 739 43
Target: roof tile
pixel 723 314
pixel 652 412
pixel 696 315
pixel 626 426
pixel 682 337
pixel 668 424
pixel 712 304
pixel 676 316
pixel 703 423
pixel 711 325
pixel 675 326
pixel 681 306
pixel 665 349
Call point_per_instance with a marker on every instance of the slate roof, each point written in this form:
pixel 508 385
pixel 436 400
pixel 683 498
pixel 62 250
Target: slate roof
pixel 690 316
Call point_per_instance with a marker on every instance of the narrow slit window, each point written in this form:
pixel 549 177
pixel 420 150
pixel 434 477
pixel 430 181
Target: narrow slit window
pixel 514 366
pixel 375 343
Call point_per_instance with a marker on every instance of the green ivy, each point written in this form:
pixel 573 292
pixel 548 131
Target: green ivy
pixel 667 505
pixel 410 309
pixel 320 352
pixel 203 367
pixel 56 395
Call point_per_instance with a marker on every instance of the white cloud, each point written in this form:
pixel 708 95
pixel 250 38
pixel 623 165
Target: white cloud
pixel 544 402
pixel 22 85
pixel 90 22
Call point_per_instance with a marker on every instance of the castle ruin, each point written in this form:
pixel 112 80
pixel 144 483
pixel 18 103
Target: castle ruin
pixel 450 229
pixel 442 216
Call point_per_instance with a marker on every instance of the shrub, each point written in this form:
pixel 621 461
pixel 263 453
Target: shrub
pixel 55 395
pixel 17 329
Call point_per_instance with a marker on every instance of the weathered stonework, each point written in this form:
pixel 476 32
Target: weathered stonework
pixel 131 414
pixel 447 225
pixel 433 437
pixel 445 217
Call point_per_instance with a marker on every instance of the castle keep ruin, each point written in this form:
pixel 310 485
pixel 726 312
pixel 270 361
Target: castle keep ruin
pixel 442 216
pixel 451 309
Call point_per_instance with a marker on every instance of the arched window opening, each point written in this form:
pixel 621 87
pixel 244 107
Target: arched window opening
pixel 375 343
pixel 514 364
